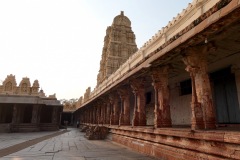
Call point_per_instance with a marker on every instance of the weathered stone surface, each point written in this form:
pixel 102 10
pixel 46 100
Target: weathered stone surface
pixel 119 45
pixel 96 133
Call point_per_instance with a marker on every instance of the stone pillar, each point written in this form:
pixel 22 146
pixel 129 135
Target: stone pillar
pixel 15 118
pixel 36 114
pixel 21 109
pixel 55 114
pixel 94 115
pixel 111 110
pixel 139 115
pixel 115 111
pixel 84 116
pixel 108 112
pixel 125 106
pixel 90 115
pixel 3 110
pixel 195 59
pixel 98 114
pixel 104 112
pixel 162 108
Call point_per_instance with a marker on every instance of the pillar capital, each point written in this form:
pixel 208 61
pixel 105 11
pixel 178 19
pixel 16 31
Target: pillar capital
pixel 123 92
pixel 137 85
pixel 160 76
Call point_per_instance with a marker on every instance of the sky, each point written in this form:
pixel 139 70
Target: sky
pixel 59 42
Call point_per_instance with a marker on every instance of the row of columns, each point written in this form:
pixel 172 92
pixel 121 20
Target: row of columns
pixel 36 114
pixel 107 111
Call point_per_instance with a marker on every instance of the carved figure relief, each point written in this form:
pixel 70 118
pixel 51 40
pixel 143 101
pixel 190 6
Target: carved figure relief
pixel 8 86
pixel 24 88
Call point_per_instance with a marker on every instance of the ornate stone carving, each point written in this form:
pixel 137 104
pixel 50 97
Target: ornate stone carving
pixel 139 116
pixel 162 107
pixel 87 94
pixel 125 106
pixel 119 45
pixel 195 59
pixel 9 84
pixel 10 87
pixel 114 99
pixel 25 86
pixel 35 88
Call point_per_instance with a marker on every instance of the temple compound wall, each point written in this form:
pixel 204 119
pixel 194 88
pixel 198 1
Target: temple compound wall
pixel 177 97
pixel 24 108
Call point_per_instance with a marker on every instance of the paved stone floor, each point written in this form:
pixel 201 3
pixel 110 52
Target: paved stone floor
pixel 68 146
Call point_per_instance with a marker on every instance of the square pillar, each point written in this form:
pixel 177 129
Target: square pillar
pixel 36 114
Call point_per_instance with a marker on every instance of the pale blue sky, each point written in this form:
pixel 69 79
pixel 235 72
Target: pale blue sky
pixel 59 42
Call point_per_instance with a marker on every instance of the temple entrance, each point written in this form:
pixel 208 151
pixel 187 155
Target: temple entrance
pixel 225 95
pixel 6 113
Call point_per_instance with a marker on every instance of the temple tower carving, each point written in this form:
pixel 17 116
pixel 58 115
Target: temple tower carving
pixel 119 45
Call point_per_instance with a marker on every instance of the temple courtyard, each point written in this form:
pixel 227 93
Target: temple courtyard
pixel 61 145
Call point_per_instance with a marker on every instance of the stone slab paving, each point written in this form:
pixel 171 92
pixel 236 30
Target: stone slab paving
pixel 73 146
pixel 10 139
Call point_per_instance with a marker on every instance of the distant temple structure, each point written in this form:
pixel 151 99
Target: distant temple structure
pixel 26 108
pixel 119 45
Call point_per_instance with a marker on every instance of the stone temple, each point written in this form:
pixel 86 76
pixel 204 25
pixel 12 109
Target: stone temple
pixel 119 45
pixel 177 97
pixel 25 108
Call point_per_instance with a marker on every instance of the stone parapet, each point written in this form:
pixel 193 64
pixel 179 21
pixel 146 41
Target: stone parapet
pixel 175 144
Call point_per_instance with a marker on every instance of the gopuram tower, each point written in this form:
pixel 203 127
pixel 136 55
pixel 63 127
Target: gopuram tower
pixel 119 45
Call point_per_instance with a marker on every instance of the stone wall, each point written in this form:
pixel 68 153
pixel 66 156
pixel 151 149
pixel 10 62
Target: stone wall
pixel 180 107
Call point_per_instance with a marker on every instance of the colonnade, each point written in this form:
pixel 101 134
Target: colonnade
pixel 30 117
pixel 114 108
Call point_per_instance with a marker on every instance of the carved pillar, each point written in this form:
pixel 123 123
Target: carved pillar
pixel 125 106
pixel 139 115
pixel 108 114
pixel 95 115
pixel 115 111
pixel 98 114
pixel 162 108
pixel 195 59
pixel 105 113
pixel 85 116
pixel 111 110
pixel 36 114
pixel 91 115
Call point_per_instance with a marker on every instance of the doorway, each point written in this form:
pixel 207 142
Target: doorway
pixel 225 96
